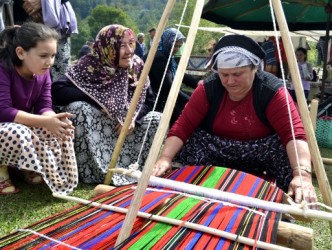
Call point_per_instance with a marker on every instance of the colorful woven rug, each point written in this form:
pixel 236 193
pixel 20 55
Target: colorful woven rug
pixel 84 227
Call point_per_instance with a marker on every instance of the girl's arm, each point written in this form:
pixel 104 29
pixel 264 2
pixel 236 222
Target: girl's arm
pixel 58 124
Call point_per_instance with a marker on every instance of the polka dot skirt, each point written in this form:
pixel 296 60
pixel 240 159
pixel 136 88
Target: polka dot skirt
pixel 35 149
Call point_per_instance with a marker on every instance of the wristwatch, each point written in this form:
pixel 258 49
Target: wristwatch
pixel 304 168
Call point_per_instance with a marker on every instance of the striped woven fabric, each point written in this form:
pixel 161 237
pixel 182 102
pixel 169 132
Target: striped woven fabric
pixel 83 227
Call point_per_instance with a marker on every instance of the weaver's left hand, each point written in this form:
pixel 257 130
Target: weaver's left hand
pixel 302 190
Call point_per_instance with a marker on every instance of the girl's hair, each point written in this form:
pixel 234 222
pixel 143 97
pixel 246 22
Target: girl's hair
pixel 26 36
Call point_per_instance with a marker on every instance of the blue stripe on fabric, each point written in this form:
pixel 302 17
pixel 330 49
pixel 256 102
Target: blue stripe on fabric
pixel 238 183
pixel 197 236
pixel 127 203
pixel 91 243
pixel 229 227
pixel 254 187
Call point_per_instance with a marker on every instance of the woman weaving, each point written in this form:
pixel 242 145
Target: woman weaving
pixel 239 118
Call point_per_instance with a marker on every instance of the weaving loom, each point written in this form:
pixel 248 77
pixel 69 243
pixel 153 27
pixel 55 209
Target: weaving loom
pixel 83 227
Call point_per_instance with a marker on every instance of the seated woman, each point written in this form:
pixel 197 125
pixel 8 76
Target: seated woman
pixel 239 119
pixel 32 137
pixel 98 90
pixel 158 68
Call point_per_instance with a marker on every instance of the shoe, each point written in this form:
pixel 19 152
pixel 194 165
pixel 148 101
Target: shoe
pixel 32 177
pixel 7 187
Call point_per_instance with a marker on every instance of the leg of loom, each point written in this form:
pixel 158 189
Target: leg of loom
pixel 294 236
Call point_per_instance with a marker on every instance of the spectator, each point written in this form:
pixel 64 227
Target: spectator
pixel 55 14
pixel 86 48
pixel 159 67
pixel 98 90
pixel 33 138
pixel 152 33
pixel 140 49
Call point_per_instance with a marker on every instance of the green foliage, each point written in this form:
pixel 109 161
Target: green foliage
pixel 103 15
pixel 140 16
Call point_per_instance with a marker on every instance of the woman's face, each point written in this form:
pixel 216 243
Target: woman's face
pixel 177 46
pixel 237 81
pixel 126 51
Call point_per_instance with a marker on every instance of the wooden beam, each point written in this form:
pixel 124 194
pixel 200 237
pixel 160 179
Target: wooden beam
pixel 163 125
pixel 138 90
pixel 294 236
pixel 323 182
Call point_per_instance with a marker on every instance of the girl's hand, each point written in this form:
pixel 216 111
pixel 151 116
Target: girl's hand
pixel 60 125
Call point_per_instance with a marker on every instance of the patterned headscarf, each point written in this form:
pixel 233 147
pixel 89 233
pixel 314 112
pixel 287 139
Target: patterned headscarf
pixel 166 43
pixel 235 51
pixel 98 74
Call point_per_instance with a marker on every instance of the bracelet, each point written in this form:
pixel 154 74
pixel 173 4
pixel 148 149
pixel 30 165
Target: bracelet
pixel 305 168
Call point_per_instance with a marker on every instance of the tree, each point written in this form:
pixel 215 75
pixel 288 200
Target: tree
pixel 103 15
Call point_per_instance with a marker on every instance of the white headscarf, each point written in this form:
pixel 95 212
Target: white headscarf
pixel 235 57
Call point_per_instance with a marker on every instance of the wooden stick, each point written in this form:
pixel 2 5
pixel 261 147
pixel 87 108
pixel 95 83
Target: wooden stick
pixel 328 161
pixel 313 112
pixel 194 226
pixel 163 125
pixel 323 182
pixel 138 90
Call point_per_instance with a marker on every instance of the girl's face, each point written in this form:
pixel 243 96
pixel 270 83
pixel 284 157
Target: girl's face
pixel 126 51
pixel 300 56
pixel 37 60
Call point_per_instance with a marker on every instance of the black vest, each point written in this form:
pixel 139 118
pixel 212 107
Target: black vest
pixel 264 87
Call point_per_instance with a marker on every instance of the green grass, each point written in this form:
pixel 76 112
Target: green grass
pixel 35 202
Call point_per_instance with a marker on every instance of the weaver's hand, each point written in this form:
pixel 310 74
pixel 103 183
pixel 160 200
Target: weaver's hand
pixel 162 166
pixel 305 192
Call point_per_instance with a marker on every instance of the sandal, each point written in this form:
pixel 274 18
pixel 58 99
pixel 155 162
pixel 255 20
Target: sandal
pixel 7 187
pixel 32 177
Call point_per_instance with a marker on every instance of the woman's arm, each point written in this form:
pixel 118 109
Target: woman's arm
pixel 171 147
pixel 301 187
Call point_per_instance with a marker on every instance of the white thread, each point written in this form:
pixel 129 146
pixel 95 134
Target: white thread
pixel 49 238
pixel 206 199
pixel 286 94
pixel 232 197
pixel 162 81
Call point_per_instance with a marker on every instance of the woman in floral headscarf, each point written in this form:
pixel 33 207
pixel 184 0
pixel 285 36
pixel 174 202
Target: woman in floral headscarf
pixel 158 68
pixel 98 90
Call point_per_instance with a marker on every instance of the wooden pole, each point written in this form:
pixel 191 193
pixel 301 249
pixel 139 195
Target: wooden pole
pixel 198 227
pixel 323 182
pixel 313 113
pixel 142 79
pixel 327 161
pixel 163 125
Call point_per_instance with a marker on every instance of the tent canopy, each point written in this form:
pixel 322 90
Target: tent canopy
pixel 256 14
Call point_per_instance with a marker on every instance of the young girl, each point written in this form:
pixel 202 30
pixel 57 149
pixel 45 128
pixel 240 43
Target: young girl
pixel 32 137
pixel 306 72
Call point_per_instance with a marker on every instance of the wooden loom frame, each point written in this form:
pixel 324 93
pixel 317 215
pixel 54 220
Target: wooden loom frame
pixel 158 140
